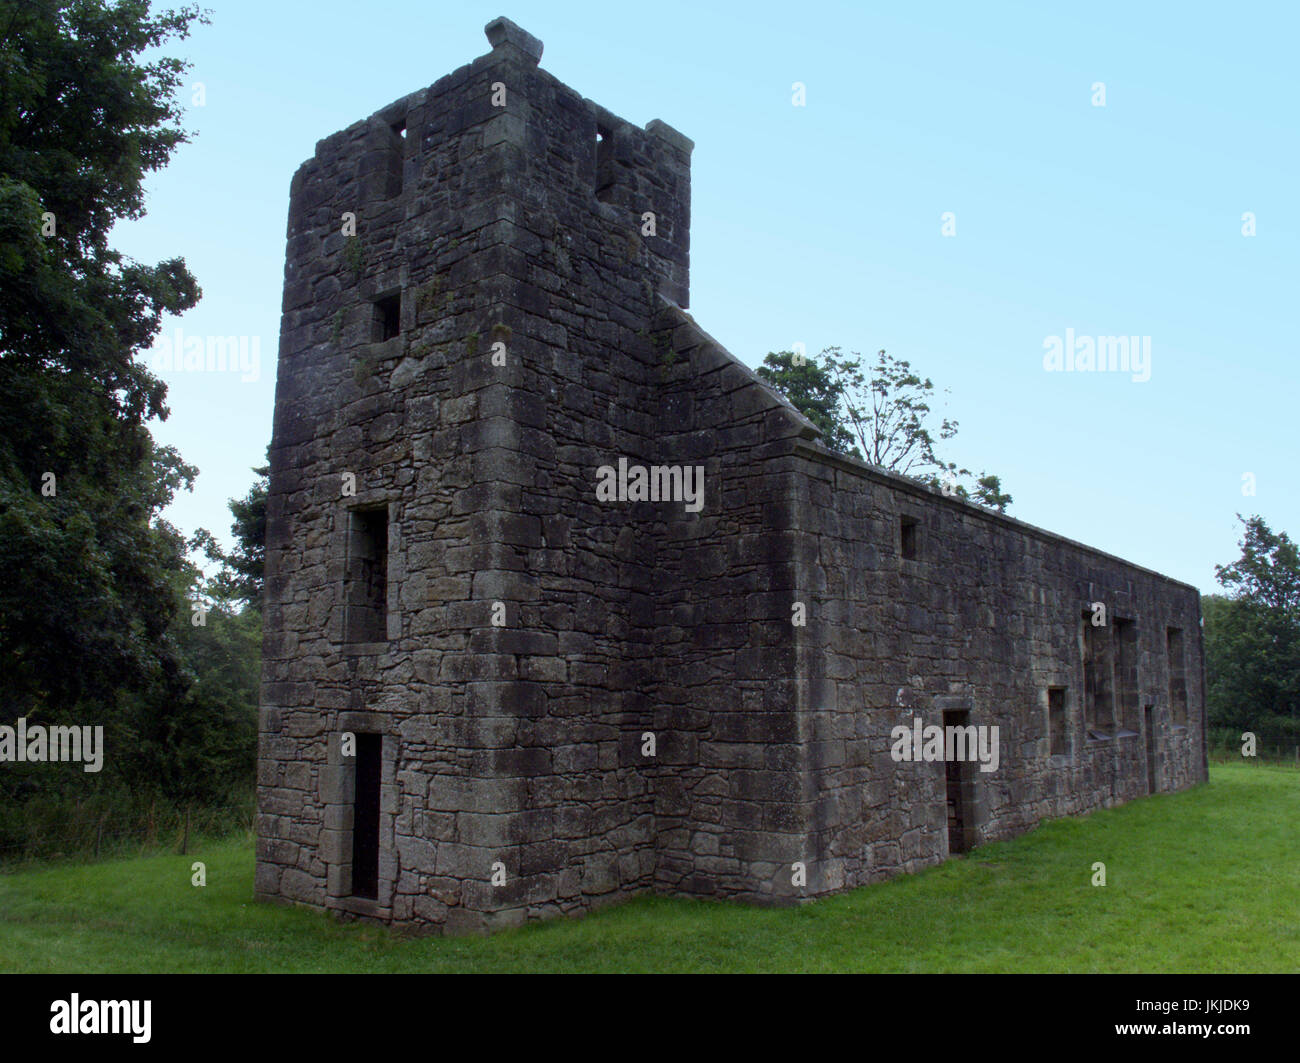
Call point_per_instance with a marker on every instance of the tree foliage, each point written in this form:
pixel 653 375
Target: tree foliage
pixel 242 569
pixel 814 392
pixel 95 624
pixel 1252 633
pixel 879 412
pixel 84 562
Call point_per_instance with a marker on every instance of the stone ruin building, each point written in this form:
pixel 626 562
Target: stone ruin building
pixel 493 692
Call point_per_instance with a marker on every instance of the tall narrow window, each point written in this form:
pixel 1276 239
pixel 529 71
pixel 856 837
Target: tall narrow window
pixel 1177 677
pixel 397 159
pixel 365 817
pixel 1056 721
pixel 1153 761
pixel 907 538
pixel 383 161
pixel 367 576
pixel 1098 702
pixel 604 164
pixel 1126 676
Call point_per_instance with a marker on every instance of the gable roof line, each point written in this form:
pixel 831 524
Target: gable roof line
pixel 810 445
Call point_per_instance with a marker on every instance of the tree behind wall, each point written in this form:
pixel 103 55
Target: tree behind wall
pixel 879 413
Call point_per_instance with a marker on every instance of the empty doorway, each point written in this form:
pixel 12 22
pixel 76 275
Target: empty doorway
pixel 1148 724
pixel 957 785
pixel 365 818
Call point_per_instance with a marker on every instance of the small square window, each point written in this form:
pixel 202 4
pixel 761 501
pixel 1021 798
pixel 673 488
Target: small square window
pixel 907 538
pixel 388 316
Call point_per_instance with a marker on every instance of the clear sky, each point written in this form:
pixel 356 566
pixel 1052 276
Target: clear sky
pixel 823 224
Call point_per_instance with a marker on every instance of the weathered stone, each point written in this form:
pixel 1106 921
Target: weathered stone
pixel 580 697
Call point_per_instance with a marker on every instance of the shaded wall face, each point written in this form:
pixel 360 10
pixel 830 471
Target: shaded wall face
pixel 730 783
pixel 381 518
pixel 575 288
pixel 981 625
pixel 451 379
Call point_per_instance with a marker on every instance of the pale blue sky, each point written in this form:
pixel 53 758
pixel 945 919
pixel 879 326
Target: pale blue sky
pixel 822 224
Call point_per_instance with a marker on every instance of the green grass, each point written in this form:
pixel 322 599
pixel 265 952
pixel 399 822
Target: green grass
pixel 1206 880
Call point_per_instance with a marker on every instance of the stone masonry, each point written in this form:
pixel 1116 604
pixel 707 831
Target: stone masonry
pixel 492 693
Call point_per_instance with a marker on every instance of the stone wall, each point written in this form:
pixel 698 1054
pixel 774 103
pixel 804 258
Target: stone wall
pixel 480 313
pixel 507 221
pixel 987 618
pixel 787 728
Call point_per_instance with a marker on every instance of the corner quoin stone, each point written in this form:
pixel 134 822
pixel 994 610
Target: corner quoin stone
pixel 502 31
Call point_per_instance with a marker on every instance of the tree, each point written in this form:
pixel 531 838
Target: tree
pixel 813 392
pixel 88 569
pixel 988 492
pixel 886 410
pixel 1252 634
pixel 1268 571
pixel 205 748
pixel 243 569
pixel 881 414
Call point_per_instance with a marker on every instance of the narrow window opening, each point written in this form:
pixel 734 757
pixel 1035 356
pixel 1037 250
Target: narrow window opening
pixel 397 159
pixel 365 817
pixel 1056 721
pixel 1126 676
pixel 604 164
pixel 1098 679
pixel 1148 720
pixel 907 538
pixel 367 592
pixel 388 317
pixel 1177 676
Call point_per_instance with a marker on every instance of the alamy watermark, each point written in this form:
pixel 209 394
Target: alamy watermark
pixel 655 483
pixel 1098 354
pixel 968 742
pixel 208 354
pixel 77 1016
pixel 38 744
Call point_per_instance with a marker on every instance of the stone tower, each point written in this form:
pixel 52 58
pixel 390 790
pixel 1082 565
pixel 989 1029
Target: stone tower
pixel 492 692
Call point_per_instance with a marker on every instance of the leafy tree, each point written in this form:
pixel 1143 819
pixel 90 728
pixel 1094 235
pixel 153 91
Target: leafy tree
pixel 814 392
pixel 886 407
pixel 206 748
pixel 879 412
pixel 89 572
pixel 243 569
pixel 1229 672
pixel 86 599
pixel 988 492
pixel 1252 634
pixel 1268 571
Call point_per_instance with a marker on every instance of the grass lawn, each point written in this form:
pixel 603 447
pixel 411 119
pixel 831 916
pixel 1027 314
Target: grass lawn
pixel 1202 881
